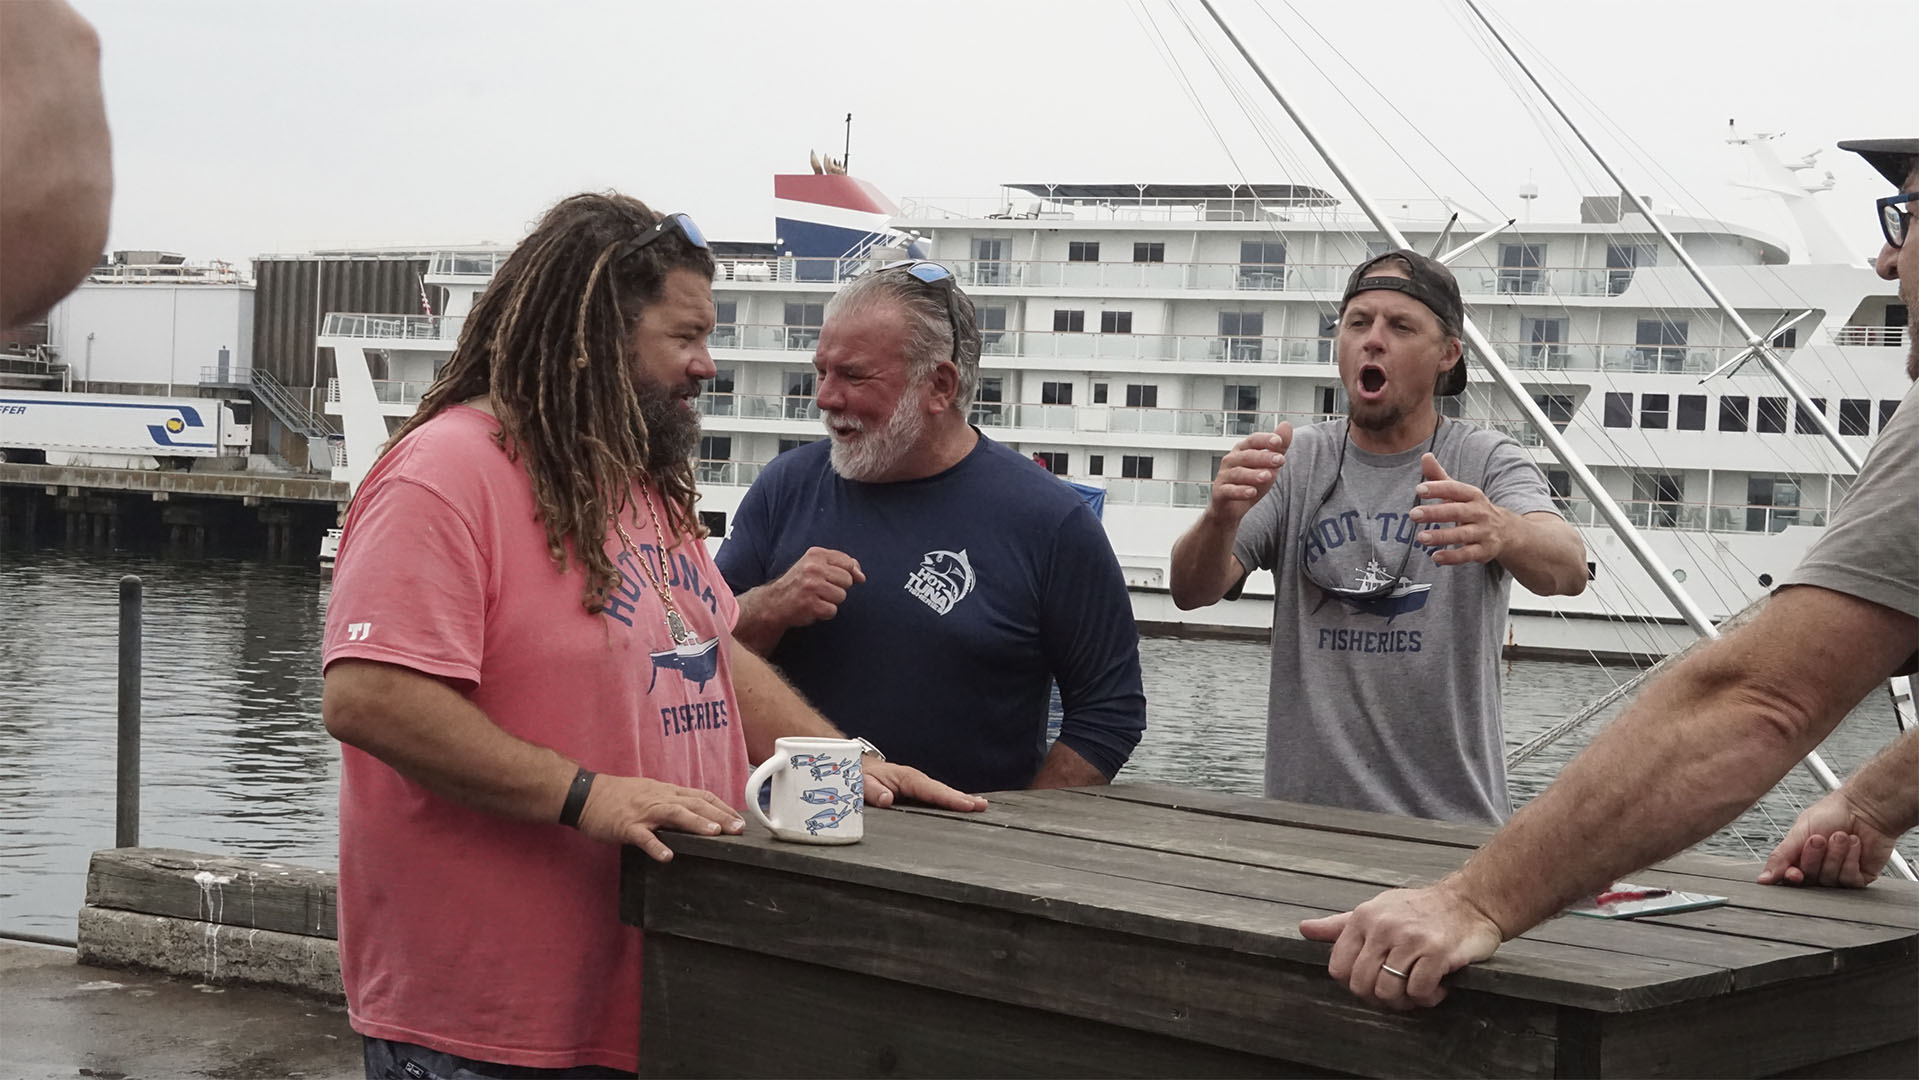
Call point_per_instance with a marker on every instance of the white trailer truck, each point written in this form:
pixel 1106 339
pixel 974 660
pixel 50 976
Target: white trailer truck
pixel 121 431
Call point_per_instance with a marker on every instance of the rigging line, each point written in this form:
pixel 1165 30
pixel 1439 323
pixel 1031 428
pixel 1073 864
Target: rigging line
pixel 1269 137
pixel 1769 285
pixel 1415 128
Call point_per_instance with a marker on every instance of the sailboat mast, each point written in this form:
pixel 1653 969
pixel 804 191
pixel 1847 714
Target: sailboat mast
pixel 1758 345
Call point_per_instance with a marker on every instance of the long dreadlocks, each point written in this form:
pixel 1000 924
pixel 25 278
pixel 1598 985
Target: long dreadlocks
pixel 550 342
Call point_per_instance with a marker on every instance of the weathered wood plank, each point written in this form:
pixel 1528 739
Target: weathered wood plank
pixel 1363 858
pixel 1218 997
pixel 1766 1031
pixel 251 893
pixel 1753 960
pixel 694 991
pixel 933 857
pixel 1366 823
pixel 1852 943
pixel 1897 1061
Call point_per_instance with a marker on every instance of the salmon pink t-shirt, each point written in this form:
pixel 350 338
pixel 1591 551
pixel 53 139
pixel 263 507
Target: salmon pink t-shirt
pixel 459 930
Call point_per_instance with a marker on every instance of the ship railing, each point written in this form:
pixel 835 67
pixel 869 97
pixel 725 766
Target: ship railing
pixel 393 327
pixel 724 471
pixel 1024 206
pixel 1322 280
pixel 1887 337
pixel 1697 516
pixel 1133 491
pixel 758 406
pixel 387 391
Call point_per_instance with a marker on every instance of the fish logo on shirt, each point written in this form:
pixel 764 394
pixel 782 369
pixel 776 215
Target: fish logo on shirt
pixel 697 662
pixel 942 580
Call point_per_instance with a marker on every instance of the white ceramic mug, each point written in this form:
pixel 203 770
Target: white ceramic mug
pixel 817 785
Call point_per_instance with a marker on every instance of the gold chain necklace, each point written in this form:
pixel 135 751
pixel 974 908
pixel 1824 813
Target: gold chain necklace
pixel 676 625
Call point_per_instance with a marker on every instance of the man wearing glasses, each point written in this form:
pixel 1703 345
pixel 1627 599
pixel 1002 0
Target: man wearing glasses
pixel 922 584
pixel 1699 745
pixel 1393 536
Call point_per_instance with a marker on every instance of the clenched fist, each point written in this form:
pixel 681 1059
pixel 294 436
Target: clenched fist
pixel 813 588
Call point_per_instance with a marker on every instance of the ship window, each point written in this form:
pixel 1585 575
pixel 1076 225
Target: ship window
pixel 1069 322
pixel 1083 251
pixel 1263 264
pixel 1557 407
pixel 1520 268
pixel 1240 334
pixel 1733 413
pixel 1136 466
pixel 786 444
pixel 1622 259
pixel 1153 252
pixel 716 447
pixel 1054 461
pixel 1096 464
pixel 1804 422
pixel 1772 416
pixel 1786 339
pixel 1099 393
pixel 1856 416
pixel 1141 396
pixel 1116 322
pixel 1693 413
pixel 993 328
pixel 1619 412
pixel 724 311
pixel 1560 484
pixel 1056 393
pixel 1887 408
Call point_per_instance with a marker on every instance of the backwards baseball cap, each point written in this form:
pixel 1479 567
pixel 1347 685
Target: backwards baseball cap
pixel 1429 282
pixel 1894 158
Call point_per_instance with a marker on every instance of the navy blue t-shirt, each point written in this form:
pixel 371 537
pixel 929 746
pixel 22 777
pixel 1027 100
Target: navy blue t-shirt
pixel 983 582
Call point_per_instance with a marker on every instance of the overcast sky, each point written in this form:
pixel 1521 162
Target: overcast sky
pixel 243 127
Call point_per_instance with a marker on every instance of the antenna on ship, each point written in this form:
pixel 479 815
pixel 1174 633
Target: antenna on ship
pixel 1529 191
pixel 846 151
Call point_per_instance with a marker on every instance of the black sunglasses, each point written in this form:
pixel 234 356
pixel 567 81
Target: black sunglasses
pixel 679 223
pixel 1893 220
pixel 932 273
pixel 1374 581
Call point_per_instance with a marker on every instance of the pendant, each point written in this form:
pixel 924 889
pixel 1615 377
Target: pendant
pixel 677 627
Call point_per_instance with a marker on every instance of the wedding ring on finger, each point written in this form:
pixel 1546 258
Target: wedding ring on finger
pixel 1394 971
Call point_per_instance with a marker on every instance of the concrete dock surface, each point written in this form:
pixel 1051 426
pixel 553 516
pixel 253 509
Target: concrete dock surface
pixel 59 1019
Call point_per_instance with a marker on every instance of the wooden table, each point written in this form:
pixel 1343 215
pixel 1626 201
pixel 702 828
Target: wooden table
pixel 1146 930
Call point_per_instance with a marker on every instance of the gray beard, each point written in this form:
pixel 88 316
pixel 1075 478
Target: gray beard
pixel 879 451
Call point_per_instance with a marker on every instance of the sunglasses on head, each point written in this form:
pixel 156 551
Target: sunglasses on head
pixel 932 273
pixel 679 223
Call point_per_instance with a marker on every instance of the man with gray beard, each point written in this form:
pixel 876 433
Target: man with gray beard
pixel 923 585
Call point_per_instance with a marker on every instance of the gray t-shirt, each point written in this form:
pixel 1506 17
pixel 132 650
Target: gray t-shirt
pixel 1389 704
pixel 1870 548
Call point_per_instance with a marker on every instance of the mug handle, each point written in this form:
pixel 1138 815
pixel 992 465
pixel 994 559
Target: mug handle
pixel 757 781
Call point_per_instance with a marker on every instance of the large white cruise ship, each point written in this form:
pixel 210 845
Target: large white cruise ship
pixel 1134 332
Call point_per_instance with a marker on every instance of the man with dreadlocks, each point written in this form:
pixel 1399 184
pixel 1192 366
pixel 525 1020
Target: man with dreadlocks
pixel 529 662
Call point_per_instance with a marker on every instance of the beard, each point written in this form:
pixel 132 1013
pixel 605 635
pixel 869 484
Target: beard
pixel 877 451
pixel 673 427
pixel 1375 416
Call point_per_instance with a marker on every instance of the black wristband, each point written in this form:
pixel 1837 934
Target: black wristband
pixel 576 799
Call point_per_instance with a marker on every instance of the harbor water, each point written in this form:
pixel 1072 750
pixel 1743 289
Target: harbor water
pixel 235 758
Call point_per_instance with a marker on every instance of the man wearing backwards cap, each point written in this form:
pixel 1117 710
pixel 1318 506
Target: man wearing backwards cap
pixel 1699 745
pixel 1393 536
